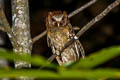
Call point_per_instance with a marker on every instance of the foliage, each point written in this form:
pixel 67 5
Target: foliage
pixel 87 68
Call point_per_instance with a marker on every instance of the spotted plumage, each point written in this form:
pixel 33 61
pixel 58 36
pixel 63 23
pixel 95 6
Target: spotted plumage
pixel 59 32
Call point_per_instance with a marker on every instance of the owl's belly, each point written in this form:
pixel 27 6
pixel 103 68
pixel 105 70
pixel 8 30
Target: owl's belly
pixel 60 39
pixel 69 54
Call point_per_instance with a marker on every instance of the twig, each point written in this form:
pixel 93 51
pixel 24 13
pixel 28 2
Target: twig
pixel 2 4
pixel 3 62
pixel 7 28
pixel 76 28
pixel 81 8
pixel 87 26
pixel 69 16
pixel 44 33
pixel 39 36
pixel 2 28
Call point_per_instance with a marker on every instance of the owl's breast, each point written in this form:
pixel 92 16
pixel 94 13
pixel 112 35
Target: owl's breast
pixel 60 37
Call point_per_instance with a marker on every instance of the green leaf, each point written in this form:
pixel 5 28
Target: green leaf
pixel 98 58
pixel 66 74
pixel 35 60
pixel 90 74
pixel 14 73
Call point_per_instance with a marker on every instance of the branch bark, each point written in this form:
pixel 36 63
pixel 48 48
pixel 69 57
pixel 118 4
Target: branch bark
pixel 21 30
pixel 2 28
pixel 3 62
pixel 81 8
pixel 39 36
pixel 6 27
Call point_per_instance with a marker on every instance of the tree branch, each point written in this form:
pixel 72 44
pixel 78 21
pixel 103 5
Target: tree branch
pixel 2 28
pixel 6 27
pixel 39 36
pixel 81 8
pixel 3 62
pixel 69 16
pixel 44 33
pixel 21 30
pixel 87 26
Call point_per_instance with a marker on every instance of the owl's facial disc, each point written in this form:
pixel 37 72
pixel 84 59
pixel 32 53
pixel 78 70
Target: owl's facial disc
pixel 58 18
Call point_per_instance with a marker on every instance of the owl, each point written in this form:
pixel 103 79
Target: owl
pixel 59 32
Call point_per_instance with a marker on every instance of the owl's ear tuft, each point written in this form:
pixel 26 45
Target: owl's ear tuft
pixel 65 14
pixel 50 13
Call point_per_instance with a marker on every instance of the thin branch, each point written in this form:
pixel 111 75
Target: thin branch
pixel 39 36
pixel 2 4
pixel 3 62
pixel 87 26
pixel 69 16
pixel 7 28
pixel 45 32
pixel 81 8
pixel 98 18
pixel 2 28
pixel 76 28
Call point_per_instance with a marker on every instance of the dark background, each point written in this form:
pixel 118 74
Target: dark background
pixel 103 34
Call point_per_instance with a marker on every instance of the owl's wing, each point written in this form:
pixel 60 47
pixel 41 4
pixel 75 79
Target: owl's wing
pixel 51 44
pixel 54 50
pixel 48 41
pixel 78 48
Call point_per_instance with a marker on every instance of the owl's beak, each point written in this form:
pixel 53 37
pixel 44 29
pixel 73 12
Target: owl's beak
pixel 58 24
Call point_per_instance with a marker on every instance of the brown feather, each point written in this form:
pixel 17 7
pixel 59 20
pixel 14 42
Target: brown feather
pixel 59 32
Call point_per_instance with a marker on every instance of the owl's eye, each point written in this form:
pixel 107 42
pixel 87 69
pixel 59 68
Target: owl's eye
pixel 62 18
pixel 53 19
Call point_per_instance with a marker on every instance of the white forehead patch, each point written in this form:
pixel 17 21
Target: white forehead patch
pixel 58 17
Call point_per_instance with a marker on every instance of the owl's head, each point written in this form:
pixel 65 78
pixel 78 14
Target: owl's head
pixel 57 19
